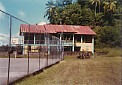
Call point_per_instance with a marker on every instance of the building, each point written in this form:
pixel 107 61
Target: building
pixel 15 41
pixel 75 38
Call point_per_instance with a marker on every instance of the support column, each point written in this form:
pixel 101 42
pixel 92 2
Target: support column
pixel 34 39
pixel 81 39
pixel 60 36
pixel 45 39
pixel 81 42
pixel 23 44
pixel 60 40
pixel 73 44
pixel 93 44
pixel 60 44
pixel 34 42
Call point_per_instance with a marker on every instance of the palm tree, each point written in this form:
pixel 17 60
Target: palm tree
pixel 50 4
pixel 99 5
pixel 110 6
pixel 50 10
pixel 95 2
pixel 109 10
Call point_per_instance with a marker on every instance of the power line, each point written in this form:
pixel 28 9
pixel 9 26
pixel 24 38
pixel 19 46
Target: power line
pixel 13 16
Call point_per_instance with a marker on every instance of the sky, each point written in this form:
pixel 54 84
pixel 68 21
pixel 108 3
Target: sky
pixel 31 11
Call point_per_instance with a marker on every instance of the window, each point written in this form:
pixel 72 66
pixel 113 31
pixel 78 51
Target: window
pixel 28 38
pixel 77 38
pixel 67 36
pixel 87 39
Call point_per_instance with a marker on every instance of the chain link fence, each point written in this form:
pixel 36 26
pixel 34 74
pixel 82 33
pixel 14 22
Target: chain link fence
pixel 23 53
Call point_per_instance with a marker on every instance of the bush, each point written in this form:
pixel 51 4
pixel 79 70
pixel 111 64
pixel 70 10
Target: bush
pixel 108 37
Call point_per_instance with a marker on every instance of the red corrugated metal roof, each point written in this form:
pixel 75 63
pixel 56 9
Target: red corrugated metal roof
pixel 84 30
pixel 57 28
pixel 32 28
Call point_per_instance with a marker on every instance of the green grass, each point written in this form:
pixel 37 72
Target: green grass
pixel 112 52
pixel 73 71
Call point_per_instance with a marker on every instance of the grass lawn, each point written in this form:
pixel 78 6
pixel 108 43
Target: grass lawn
pixel 73 71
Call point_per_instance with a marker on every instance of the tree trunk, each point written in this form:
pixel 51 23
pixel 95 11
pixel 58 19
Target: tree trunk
pixel 99 8
pixel 95 8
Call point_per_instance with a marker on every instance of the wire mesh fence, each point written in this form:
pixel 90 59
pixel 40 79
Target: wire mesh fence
pixel 22 53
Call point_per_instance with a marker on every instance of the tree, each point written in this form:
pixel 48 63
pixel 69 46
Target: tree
pixel 82 12
pixel 54 8
pixel 50 5
pixel 109 12
pixel 83 3
pixel 108 36
pixel 50 10
pixel 95 2
pixel 110 6
pixel 74 15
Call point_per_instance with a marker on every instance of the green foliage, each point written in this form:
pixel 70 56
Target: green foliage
pixel 73 15
pixel 110 6
pixel 108 36
pixel 89 12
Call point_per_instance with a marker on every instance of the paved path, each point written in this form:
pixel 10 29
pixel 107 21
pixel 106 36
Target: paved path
pixel 19 67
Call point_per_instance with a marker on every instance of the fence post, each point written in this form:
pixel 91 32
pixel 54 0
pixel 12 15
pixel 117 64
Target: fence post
pixel 10 46
pixel 28 48
pixel 62 50
pixel 9 51
pixel 47 47
pixel 39 57
pixel 39 48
